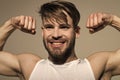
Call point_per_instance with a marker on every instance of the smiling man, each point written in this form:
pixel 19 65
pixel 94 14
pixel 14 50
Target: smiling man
pixel 59 37
pixel 60 29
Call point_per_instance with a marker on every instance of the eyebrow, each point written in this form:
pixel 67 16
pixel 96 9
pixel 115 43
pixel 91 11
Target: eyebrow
pixel 60 25
pixel 65 25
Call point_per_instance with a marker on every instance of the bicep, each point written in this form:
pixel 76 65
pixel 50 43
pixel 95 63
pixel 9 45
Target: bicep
pixel 98 61
pixel 113 63
pixel 9 64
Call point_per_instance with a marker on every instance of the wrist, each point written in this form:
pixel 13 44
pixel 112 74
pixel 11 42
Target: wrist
pixel 7 27
pixel 5 30
pixel 115 21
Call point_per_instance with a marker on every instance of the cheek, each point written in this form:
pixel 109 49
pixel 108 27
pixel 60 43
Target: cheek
pixel 45 34
pixel 69 34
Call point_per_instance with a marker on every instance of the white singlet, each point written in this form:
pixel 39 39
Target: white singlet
pixel 74 70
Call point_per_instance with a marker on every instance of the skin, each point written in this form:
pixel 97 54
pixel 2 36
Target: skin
pixel 104 64
pixel 58 37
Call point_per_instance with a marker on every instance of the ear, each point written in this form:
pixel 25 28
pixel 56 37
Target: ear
pixel 77 31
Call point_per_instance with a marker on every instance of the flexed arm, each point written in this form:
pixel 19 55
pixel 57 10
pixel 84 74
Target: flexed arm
pixel 98 21
pixel 13 64
pixel 23 23
pixel 105 64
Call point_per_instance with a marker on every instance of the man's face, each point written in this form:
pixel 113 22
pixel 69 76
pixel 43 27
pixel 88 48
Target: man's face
pixel 59 37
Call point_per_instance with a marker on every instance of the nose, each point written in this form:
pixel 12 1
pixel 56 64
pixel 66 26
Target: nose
pixel 56 33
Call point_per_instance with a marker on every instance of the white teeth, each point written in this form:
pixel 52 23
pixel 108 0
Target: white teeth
pixel 57 43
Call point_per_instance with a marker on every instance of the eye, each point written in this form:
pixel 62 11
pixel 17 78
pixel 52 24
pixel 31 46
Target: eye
pixel 64 27
pixel 48 26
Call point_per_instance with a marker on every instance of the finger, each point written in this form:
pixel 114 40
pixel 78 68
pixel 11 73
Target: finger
pixel 26 22
pixel 32 32
pixel 28 31
pixel 91 21
pixel 34 24
pixel 95 20
pixel 91 30
pixel 22 20
pixel 100 18
pixel 30 23
pixel 87 24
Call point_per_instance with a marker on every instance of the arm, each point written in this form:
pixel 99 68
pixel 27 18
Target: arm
pixel 113 63
pixel 98 21
pixel 23 23
pixel 10 63
pixel 104 64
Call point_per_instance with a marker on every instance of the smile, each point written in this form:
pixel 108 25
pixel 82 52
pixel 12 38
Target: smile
pixel 57 43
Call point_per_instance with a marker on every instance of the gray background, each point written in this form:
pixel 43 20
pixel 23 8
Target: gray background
pixel 19 42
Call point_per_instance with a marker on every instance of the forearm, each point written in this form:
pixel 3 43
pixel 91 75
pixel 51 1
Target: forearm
pixel 5 30
pixel 116 22
pixel 23 23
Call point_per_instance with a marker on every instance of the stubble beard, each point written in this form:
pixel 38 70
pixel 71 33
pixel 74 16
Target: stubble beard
pixel 57 56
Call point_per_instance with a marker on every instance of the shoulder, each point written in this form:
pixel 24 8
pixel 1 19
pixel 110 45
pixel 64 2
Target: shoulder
pixel 27 63
pixel 98 56
pixel 28 59
pixel 98 62
pixel 28 55
pixel 105 62
pixel 103 57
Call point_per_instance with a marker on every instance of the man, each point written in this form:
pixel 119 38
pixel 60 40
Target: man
pixel 60 29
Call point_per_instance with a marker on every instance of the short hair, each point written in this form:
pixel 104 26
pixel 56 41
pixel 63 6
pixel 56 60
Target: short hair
pixel 54 9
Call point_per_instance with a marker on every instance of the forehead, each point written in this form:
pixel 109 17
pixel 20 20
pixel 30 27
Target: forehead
pixel 62 18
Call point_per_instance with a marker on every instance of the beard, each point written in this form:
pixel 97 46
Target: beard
pixel 57 55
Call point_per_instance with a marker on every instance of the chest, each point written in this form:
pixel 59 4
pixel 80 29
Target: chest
pixel 73 71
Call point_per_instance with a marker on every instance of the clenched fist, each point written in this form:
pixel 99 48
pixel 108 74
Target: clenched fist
pixel 97 21
pixel 24 23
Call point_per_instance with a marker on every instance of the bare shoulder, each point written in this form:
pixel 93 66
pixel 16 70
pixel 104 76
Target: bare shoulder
pixel 104 56
pixel 27 56
pixel 99 55
pixel 98 61
pixel 103 61
pixel 27 63
pixel 28 59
